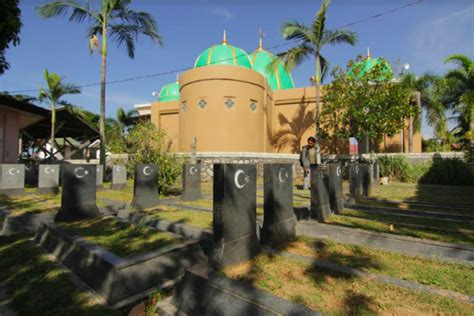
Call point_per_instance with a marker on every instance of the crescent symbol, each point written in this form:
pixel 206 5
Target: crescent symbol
pixel 48 170
pixel 147 170
pixel 193 170
pixel 80 172
pixel 357 169
pixel 282 175
pixel 338 171
pixel 12 171
pixel 118 169
pixel 236 179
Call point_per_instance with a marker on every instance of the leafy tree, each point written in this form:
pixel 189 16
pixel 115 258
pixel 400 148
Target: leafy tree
pixel 365 105
pixel 116 132
pixel 294 129
pixel 115 19
pixel 311 40
pixel 124 118
pixel 10 25
pixel 55 91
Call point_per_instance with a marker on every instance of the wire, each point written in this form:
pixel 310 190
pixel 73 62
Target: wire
pixel 378 15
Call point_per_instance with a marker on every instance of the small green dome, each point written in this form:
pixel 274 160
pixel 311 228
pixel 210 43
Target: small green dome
pixel 279 78
pixel 169 92
pixel 223 54
pixel 369 63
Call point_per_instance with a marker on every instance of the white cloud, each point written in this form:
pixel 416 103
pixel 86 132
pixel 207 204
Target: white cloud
pixel 223 13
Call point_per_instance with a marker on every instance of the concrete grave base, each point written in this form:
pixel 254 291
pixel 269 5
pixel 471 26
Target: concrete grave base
pixel 203 292
pixel 113 278
pixel 279 233
pixel 12 192
pixel 23 223
pixel 118 186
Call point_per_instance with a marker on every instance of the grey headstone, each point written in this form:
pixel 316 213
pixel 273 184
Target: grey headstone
pixel 279 220
pixel 100 177
pixel 320 207
pixel 234 214
pixel 78 198
pixel 12 179
pixel 367 178
pixel 355 184
pixel 48 181
pixel 336 197
pixel 145 186
pixel 191 182
pixel 31 175
pixel 377 172
pixel 119 177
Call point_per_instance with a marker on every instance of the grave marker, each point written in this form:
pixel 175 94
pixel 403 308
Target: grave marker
pixel 279 220
pixel 191 182
pixel 78 198
pixel 31 175
pixel 336 197
pixel 145 186
pixel 355 185
pixel 12 181
pixel 48 181
pixel 234 215
pixel 119 177
pixel 100 177
pixel 367 178
pixel 320 207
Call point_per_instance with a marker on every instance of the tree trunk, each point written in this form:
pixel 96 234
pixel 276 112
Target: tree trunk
pixel 53 125
pixel 102 95
pixel 317 101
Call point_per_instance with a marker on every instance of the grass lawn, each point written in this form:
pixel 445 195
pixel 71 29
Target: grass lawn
pixel 337 294
pixel 450 276
pixel 122 239
pixel 31 203
pixel 37 286
pixel 199 219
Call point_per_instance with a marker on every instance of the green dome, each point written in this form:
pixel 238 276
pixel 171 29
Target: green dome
pixel 279 78
pixel 369 63
pixel 223 54
pixel 169 92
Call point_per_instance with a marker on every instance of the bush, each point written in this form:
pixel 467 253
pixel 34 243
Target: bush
pixel 401 170
pixel 148 144
pixel 450 171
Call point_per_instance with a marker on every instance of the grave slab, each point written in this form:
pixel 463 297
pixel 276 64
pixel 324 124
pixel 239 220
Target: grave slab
pixel 336 197
pixel 12 179
pixel 320 208
pixel 234 214
pixel 78 197
pixel 355 184
pixel 48 179
pixel 279 220
pixel 191 182
pixel 145 187
pixel 119 177
pixel 100 177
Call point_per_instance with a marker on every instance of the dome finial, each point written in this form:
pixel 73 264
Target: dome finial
pixel 260 40
pixel 368 53
pixel 224 38
pixel 177 77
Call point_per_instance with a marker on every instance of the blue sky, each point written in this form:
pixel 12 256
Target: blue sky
pixel 421 35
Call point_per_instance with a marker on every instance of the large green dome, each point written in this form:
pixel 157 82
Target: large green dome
pixel 223 54
pixel 369 63
pixel 169 92
pixel 278 78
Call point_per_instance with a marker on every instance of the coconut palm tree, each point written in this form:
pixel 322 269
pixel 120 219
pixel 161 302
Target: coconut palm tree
pixel 311 40
pixel 55 91
pixel 124 118
pixel 116 20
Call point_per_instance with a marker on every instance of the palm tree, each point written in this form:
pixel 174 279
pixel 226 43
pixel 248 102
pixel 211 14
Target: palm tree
pixel 294 129
pixel 311 40
pixel 56 90
pixel 114 19
pixel 124 117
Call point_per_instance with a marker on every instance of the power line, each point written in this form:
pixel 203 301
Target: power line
pixel 378 15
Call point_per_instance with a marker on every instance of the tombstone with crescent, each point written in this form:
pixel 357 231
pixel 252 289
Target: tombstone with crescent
pixel 78 197
pixel 100 177
pixel 191 182
pixel 320 208
pixel 376 172
pixel 145 187
pixel 336 197
pixel 279 220
pixel 12 179
pixel 119 177
pixel 367 177
pixel 48 182
pixel 234 215
pixel 355 184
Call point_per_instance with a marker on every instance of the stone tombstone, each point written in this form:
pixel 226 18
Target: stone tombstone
pixel 367 178
pixel 320 208
pixel 31 175
pixel 376 173
pixel 279 223
pixel 336 196
pixel 48 181
pixel 119 177
pixel 355 184
pixel 12 179
pixel 234 215
pixel 191 182
pixel 78 198
pixel 145 186
pixel 100 177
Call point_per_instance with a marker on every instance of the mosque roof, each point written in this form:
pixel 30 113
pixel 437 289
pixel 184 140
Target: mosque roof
pixel 369 63
pixel 169 92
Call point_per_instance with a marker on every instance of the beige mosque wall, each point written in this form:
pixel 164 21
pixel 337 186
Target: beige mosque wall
pixel 165 115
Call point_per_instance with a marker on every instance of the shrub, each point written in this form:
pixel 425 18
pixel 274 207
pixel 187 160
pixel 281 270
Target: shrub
pixel 401 170
pixel 450 171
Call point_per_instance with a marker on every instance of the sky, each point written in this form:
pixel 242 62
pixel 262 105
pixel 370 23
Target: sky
pixel 421 35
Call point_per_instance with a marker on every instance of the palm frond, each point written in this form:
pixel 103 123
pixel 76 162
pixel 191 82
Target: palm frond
pixel 340 37
pixel 62 8
pixel 296 31
pixel 324 64
pixel 460 60
pixel 295 56
pixel 319 23
pixel 457 74
pixel 124 34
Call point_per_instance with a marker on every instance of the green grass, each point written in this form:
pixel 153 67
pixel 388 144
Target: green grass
pixel 198 219
pixel 450 276
pixel 37 286
pixel 337 294
pixel 31 203
pixel 122 239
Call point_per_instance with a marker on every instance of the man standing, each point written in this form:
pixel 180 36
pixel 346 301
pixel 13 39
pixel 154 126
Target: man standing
pixel 307 158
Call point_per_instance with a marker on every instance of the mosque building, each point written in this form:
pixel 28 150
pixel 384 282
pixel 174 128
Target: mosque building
pixel 232 101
